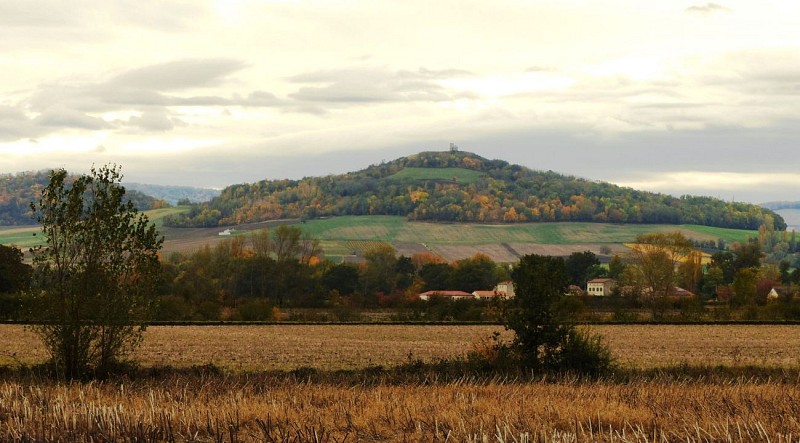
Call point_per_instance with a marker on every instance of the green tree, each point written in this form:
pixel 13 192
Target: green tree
pixel 14 273
pixel 616 267
pixel 539 283
pixel 94 277
pixel 744 287
pixel 544 340
pixel 380 270
pixel 475 273
pixel 15 278
pixel 578 264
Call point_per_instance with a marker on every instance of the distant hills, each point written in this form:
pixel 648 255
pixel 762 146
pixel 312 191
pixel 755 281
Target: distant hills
pixel 175 194
pixel 781 205
pixel 18 190
pixel 463 187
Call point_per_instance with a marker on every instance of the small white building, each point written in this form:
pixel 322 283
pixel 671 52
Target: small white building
pixel 505 287
pixel 226 232
pixel 600 287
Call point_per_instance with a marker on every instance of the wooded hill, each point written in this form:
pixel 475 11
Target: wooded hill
pixel 18 190
pixel 464 187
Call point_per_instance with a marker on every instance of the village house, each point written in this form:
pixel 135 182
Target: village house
pixel 506 287
pixel 600 287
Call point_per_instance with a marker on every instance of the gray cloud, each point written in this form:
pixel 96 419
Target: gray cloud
pixel 57 116
pixel 154 121
pixel 708 8
pixel 375 85
pixel 151 90
pixel 15 125
pixel 179 74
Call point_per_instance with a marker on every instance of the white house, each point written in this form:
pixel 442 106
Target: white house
pixel 600 287
pixel 505 287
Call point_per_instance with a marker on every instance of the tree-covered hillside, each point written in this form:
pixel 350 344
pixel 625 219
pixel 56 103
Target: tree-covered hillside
pixel 18 190
pixel 464 187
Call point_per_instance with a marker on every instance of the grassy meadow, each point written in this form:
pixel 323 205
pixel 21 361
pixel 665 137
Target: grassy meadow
pixel 460 175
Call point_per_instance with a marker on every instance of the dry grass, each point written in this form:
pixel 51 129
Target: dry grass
pixel 201 406
pixel 261 408
pixel 287 347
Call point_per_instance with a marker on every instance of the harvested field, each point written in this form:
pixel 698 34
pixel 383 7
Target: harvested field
pixel 208 407
pixel 497 252
pixel 357 346
pixel 566 250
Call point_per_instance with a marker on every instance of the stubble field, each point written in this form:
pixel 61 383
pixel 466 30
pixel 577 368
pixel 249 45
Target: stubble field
pixel 246 404
pixel 334 347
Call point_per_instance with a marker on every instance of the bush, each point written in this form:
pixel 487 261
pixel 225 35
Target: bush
pixel 545 340
pixel 585 353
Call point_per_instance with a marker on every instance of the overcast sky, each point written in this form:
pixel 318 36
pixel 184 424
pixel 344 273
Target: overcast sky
pixel 674 96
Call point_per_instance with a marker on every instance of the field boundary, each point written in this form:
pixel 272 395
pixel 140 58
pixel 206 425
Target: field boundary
pixel 448 323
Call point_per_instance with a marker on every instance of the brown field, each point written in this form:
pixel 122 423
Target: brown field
pixel 286 347
pixel 213 408
pixel 203 406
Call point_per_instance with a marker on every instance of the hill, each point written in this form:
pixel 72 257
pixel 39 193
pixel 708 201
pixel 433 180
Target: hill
pixel 464 187
pixel 781 205
pixel 18 190
pixel 174 194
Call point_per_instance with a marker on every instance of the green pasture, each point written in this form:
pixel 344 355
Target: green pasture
pixel 398 229
pixel 459 175
pixel 23 236
pixel 20 236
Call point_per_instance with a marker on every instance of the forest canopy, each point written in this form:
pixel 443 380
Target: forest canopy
pixel 464 187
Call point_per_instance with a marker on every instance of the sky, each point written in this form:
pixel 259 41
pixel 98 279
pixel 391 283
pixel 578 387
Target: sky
pixel 680 97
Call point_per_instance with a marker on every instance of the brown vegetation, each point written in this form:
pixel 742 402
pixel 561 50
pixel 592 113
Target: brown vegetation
pixel 286 347
pixel 209 407
pixel 202 404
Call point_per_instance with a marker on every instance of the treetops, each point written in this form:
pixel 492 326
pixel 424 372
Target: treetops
pixel 464 187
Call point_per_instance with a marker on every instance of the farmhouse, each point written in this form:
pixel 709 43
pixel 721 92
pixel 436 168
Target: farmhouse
pixel 452 295
pixel 506 287
pixel 600 287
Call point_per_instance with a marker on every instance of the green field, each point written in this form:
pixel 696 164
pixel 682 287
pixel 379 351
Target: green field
pixel 458 175
pixel 398 229
pixel 451 241
pixel 27 236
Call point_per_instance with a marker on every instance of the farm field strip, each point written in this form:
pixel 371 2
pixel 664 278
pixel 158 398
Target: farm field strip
pixel 259 408
pixel 333 347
